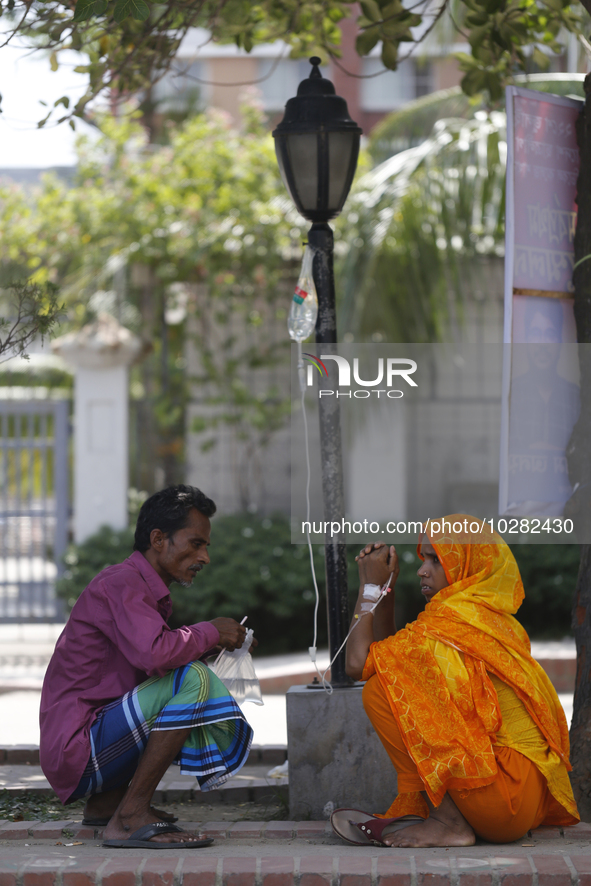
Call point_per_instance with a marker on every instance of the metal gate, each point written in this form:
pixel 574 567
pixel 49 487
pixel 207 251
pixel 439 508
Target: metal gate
pixel 33 507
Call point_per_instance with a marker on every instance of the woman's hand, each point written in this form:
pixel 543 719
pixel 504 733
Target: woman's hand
pixel 376 562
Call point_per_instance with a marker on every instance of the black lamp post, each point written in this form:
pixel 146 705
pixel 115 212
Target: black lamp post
pixel 317 146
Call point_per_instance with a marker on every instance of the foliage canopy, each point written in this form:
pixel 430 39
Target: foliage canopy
pixel 187 242
pixel 126 45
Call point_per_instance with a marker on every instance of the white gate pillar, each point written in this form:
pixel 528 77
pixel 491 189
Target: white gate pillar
pixel 101 354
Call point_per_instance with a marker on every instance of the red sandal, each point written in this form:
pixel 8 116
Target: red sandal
pixel 362 829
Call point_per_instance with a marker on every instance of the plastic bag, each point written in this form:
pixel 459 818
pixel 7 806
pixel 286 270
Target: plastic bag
pixel 304 304
pixel 236 671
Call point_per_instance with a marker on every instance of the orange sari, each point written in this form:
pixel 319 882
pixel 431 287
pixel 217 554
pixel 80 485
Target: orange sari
pixel 435 673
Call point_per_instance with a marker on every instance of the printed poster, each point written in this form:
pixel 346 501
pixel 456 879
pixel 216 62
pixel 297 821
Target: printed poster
pixel 540 378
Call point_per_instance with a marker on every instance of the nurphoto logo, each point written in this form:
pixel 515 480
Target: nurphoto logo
pixel 389 372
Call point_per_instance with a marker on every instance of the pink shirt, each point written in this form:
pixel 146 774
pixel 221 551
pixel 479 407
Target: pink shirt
pixel 116 637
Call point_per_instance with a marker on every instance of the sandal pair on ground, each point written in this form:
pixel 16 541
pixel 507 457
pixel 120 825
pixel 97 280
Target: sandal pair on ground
pixel 352 825
pixel 362 829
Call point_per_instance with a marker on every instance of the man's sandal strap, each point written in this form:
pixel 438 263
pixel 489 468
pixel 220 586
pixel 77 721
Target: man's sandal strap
pixel 141 839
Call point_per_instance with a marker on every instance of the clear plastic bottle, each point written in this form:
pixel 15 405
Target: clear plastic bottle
pixel 304 306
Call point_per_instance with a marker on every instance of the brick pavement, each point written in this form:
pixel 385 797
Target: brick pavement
pixel 286 854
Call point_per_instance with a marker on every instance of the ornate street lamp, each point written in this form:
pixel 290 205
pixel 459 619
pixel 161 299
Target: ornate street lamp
pixel 317 146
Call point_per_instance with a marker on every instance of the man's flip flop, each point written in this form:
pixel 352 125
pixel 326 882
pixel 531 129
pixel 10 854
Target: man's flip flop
pixel 103 822
pixel 362 829
pixel 140 839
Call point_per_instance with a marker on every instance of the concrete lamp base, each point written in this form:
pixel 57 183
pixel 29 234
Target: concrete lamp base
pixel 335 757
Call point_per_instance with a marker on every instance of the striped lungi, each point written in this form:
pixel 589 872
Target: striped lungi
pixel 191 696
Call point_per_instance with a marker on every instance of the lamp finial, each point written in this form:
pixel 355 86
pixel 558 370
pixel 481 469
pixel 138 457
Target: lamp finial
pixel 315 72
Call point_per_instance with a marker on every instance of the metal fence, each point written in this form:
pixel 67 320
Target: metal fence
pixel 33 507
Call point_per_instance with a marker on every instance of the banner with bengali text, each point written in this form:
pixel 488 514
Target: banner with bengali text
pixel 540 384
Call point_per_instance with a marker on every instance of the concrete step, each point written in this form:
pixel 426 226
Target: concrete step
pixel 286 853
pixel 28 755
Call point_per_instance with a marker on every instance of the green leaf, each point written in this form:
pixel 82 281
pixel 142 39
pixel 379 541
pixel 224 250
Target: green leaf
pixel 484 55
pixel 390 55
pixel 466 61
pixel 53 63
pixel 72 125
pixel 494 85
pixel 367 40
pixel 554 5
pixel 64 100
pixel 540 59
pixel 476 20
pixel 397 29
pixel 371 10
pixel 393 9
pixel 474 82
pixel 86 9
pixel 495 6
pixel 478 35
pixel 137 9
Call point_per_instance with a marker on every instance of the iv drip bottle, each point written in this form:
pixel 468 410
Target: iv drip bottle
pixel 304 305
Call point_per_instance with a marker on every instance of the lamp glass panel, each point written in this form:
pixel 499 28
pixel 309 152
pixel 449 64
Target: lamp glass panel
pixel 303 155
pixel 340 148
pixel 279 155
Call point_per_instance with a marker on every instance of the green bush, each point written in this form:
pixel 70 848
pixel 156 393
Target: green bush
pixel 549 574
pixel 84 561
pixel 256 571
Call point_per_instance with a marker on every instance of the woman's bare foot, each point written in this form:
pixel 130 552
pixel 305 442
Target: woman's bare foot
pixel 430 833
pixel 122 826
pixel 446 826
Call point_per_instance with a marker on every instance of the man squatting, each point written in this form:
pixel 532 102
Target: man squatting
pixel 124 695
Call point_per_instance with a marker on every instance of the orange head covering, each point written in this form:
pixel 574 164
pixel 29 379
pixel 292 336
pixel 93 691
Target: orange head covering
pixel 436 670
pixel 478 565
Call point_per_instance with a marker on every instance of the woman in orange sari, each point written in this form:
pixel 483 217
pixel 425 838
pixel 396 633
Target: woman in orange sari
pixel 470 720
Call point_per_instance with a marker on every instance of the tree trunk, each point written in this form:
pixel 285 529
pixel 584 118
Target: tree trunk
pixel 580 732
pixel 579 464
